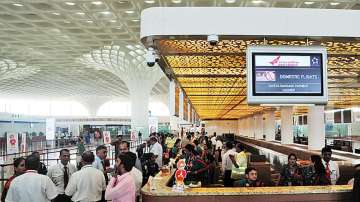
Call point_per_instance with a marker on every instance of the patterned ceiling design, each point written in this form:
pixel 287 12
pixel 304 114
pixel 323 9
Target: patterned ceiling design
pixel 214 77
pixel 45 38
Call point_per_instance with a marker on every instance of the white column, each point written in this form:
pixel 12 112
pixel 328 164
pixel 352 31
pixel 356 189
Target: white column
pixel 270 126
pixel 258 126
pixel 140 110
pixel 172 98
pixel 181 105
pixel 286 125
pixel 316 128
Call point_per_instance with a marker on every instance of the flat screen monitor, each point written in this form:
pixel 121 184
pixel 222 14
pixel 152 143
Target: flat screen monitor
pixel 286 75
pixel 347 116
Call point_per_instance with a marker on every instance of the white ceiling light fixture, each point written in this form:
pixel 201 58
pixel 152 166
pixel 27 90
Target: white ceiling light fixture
pixel 56 13
pixel 334 3
pixel 106 12
pixel 89 21
pixel 257 1
pixel 70 3
pixel 176 1
pixel 309 2
pixel 17 4
pixel 129 12
pixel 80 13
pixel 96 3
pixel 149 1
pixel 112 21
pixel 230 1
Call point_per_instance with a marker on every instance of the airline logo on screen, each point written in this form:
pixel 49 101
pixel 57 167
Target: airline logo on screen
pixel 265 76
pixel 286 60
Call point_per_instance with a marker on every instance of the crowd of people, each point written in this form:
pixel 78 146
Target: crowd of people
pixel 208 160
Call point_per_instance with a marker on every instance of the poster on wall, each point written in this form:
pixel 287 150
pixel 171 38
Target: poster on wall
pixel 107 137
pixel 153 124
pixel 133 135
pixel 50 129
pixel 12 143
pixel 177 100
pixel 23 143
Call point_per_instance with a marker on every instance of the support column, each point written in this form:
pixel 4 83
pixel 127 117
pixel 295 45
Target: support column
pixel 251 126
pixel 316 134
pixel 270 126
pixel 258 126
pixel 286 125
pixel 140 110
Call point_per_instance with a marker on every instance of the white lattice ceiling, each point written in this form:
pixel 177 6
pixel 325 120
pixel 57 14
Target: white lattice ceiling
pixel 48 36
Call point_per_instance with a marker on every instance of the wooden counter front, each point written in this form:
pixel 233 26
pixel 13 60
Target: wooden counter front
pixel 164 193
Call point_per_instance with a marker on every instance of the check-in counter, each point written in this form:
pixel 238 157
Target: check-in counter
pixel 164 193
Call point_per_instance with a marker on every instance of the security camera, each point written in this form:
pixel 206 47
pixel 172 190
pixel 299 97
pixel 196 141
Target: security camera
pixel 151 57
pixel 213 39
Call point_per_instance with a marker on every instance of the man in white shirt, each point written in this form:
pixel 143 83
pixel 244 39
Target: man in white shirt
pixel 331 167
pixel 31 186
pixel 227 164
pixel 60 175
pixel 88 183
pixel 157 150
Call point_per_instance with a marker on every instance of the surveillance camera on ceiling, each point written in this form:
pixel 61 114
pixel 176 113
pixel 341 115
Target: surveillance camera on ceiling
pixel 213 39
pixel 151 57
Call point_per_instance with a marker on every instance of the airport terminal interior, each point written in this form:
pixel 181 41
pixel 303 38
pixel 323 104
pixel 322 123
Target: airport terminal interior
pixel 173 100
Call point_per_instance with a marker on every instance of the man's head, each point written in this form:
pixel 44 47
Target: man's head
pixel 229 145
pixel 124 147
pixel 239 147
pixel 32 162
pixel 326 154
pixel 153 140
pixel 132 158
pixel 292 159
pixel 64 156
pixel 36 153
pixel 251 173
pixel 101 152
pixel 152 157
pixel 87 158
pixel 123 164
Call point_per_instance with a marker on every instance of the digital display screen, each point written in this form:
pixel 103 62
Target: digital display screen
pixel 285 74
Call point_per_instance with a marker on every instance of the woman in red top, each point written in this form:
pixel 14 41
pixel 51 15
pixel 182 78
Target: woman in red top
pixel 19 169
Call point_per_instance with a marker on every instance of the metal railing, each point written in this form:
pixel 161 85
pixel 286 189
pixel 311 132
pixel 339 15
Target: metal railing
pixel 46 156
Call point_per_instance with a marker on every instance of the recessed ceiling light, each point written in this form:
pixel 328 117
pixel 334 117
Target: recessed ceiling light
pixel 80 13
pixel 106 12
pixel 149 1
pixel 70 3
pixel 56 13
pixel 129 12
pixel 257 1
pixel 67 21
pixel 135 20
pixel 112 20
pixel 96 2
pixel 89 21
pixel 230 1
pixel 19 5
pixel 334 3
pixel 309 2
pixel 176 1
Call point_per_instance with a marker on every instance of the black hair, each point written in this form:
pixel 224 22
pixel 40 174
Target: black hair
pixel 196 142
pixel 318 165
pixel 132 157
pixel 100 148
pixel 240 146
pixel 292 154
pixel 249 169
pixel 191 148
pixel 153 139
pixel 126 161
pixel 315 158
pixel 32 162
pixel 127 143
pixel 176 142
pixel 326 149
pixel 64 150
pixel 229 145
pixel 17 161
pixel 88 157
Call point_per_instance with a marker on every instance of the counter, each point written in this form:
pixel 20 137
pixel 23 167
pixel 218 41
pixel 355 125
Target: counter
pixel 164 193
